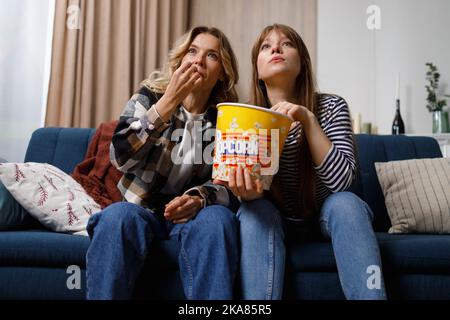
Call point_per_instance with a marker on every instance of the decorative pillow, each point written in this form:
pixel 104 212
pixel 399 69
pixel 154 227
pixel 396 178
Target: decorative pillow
pixel 49 195
pixel 417 194
pixel 12 215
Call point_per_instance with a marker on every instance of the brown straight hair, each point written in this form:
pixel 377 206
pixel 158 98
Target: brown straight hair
pixel 307 97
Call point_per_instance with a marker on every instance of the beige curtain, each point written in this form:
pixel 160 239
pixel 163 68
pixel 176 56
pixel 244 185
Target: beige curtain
pixel 102 50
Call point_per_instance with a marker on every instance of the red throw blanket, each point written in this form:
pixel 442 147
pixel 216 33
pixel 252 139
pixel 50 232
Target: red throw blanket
pixel 96 173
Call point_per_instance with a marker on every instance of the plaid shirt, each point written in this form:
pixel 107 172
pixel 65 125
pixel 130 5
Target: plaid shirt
pixel 141 148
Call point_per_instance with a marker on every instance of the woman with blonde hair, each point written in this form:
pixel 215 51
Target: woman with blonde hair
pixel 317 165
pixel 166 185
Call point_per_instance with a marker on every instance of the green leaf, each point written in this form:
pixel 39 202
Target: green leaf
pixel 432 76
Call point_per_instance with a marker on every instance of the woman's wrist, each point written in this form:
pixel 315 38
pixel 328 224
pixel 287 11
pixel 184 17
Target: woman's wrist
pixel 165 107
pixel 250 198
pixel 309 120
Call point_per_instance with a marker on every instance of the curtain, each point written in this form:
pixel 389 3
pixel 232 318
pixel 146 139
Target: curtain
pixel 102 50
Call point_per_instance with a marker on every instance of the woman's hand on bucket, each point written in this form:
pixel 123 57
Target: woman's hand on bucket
pixel 242 185
pixel 293 111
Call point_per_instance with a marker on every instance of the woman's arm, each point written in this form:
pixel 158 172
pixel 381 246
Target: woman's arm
pixel 319 144
pixel 214 193
pixel 138 130
pixel 146 116
pixel 338 168
pixel 332 149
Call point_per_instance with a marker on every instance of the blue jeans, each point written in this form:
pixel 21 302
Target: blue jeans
pixel 344 218
pixel 121 236
pixel 262 250
pixel 347 221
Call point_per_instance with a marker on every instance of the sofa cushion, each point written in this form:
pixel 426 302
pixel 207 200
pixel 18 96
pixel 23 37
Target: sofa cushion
pixel 42 248
pixel 375 148
pixel 12 215
pixel 38 283
pixel 310 256
pixel 401 253
pixel 163 255
pixel 415 253
pixel 51 249
pixel 417 194
pixel 50 195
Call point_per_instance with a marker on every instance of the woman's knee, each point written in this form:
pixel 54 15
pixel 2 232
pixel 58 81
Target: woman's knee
pixel 120 212
pixel 124 225
pixel 345 206
pixel 119 215
pixel 257 212
pixel 216 216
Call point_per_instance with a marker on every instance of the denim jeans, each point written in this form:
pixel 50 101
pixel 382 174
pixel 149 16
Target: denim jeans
pixel 344 218
pixel 121 236
pixel 262 250
pixel 347 221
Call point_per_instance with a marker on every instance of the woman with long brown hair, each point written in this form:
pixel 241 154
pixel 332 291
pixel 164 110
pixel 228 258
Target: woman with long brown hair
pixel 317 165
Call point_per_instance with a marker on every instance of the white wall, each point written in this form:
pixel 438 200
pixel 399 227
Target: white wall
pixel 362 65
pixel 24 64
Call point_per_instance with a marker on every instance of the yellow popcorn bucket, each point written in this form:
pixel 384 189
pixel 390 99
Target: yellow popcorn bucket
pixel 250 136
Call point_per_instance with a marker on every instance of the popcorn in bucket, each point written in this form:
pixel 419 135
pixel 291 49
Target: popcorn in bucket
pixel 251 136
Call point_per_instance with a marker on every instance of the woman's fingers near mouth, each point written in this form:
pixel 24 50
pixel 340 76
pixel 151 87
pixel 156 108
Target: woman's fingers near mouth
pixel 201 74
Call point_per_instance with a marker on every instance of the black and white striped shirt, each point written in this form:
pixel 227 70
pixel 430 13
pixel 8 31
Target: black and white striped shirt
pixel 337 170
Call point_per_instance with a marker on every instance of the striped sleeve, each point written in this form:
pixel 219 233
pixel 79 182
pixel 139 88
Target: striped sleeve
pixel 138 129
pixel 338 168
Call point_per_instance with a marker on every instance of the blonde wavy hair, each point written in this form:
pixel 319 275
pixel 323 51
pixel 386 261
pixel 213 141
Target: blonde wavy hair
pixel 224 90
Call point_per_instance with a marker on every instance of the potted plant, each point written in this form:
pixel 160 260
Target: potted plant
pixel 435 105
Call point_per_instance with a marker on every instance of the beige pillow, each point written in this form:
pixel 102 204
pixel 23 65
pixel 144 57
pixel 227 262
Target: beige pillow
pixel 417 194
pixel 49 195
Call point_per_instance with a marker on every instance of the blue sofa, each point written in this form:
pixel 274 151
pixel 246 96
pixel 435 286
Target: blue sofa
pixel 33 263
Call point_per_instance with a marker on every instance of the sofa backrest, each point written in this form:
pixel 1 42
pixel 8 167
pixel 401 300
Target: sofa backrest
pixel 61 147
pixel 378 148
pixel 66 147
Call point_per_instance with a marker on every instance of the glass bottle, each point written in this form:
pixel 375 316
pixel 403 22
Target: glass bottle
pixel 398 127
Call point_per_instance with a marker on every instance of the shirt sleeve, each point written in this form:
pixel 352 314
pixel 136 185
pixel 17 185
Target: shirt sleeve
pixel 338 168
pixel 214 194
pixel 138 130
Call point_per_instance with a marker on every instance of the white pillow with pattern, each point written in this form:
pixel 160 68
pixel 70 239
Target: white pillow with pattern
pixel 50 195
